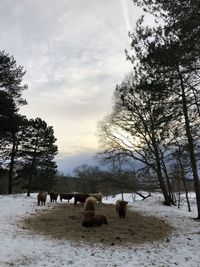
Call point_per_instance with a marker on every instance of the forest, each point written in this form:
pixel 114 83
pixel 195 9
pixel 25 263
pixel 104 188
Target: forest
pixel 150 140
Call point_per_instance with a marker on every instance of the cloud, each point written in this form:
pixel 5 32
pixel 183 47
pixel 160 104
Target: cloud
pixel 73 52
pixel 68 163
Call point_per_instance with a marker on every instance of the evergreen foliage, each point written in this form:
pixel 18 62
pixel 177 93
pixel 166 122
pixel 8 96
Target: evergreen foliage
pixel 27 147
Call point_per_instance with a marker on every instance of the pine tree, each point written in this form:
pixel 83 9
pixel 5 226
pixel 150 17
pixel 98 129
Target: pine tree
pixel 38 151
pixel 10 121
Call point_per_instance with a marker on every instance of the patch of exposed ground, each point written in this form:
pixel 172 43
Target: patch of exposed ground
pixel 63 221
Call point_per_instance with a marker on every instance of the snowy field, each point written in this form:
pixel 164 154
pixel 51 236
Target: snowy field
pixel 18 247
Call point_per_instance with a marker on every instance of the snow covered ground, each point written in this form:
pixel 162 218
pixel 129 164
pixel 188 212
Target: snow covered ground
pixel 18 247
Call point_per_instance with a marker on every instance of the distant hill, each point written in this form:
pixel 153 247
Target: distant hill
pixel 67 163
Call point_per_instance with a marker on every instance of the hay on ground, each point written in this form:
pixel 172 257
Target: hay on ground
pixel 63 221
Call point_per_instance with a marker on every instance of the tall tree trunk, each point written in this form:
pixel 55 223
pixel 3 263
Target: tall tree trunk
pixel 171 193
pixel 179 192
pixel 184 183
pixel 167 198
pixel 31 174
pixel 11 167
pixel 190 146
pixel 32 168
pixel 186 194
pixel 10 174
pixel 29 185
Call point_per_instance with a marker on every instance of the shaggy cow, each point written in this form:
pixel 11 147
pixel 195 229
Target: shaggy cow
pixel 80 198
pixel 91 219
pixel 53 196
pixel 41 198
pixel 98 196
pixel 121 208
pixel 66 196
pixel 90 204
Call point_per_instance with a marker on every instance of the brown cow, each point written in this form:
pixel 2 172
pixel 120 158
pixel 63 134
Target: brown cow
pixel 67 196
pixel 98 196
pixel 90 204
pixel 41 198
pixel 121 208
pixel 80 198
pixel 91 219
pixel 53 196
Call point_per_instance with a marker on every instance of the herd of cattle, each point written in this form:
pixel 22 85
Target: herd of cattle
pixel 90 218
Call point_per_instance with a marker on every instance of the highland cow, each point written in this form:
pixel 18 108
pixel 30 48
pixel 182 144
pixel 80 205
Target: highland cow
pixel 80 198
pixel 121 208
pixel 41 198
pixel 91 219
pixel 67 196
pixel 53 196
pixel 90 204
pixel 98 196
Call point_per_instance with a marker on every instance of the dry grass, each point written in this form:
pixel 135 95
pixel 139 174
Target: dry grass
pixel 63 221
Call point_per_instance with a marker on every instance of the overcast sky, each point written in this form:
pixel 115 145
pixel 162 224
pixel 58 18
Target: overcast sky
pixel 73 54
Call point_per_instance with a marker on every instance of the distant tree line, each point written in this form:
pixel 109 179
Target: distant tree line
pixel 27 146
pixel 156 111
pixel 112 181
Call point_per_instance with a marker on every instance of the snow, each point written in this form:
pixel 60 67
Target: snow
pixel 19 247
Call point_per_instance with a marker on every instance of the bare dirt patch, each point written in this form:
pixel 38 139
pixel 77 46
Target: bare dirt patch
pixel 63 221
